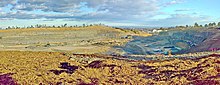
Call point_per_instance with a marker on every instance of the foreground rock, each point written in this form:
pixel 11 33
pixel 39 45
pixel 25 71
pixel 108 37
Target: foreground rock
pixel 6 79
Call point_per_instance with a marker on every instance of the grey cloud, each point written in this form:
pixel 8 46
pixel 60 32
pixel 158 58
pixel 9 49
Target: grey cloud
pixel 102 9
pixel 121 11
pixel 114 6
pixel 26 15
pixel 6 2
pixel 71 5
pixel 130 6
pixel 21 15
pixel 48 5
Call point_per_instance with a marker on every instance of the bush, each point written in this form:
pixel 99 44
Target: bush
pixel 47 45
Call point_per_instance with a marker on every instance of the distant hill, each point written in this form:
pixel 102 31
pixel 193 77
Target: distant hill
pixel 90 39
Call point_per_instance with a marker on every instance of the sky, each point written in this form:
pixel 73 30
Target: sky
pixel 149 13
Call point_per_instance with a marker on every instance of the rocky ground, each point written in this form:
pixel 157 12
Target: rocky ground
pixel 63 68
pixel 178 41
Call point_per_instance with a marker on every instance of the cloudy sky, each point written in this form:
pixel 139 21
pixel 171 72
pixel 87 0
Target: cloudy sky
pixel 152 13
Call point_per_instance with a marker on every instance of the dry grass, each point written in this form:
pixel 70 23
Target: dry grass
pixel 35 68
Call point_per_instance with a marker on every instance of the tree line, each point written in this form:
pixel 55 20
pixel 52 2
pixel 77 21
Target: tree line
pixel 196 25
pixel 53 26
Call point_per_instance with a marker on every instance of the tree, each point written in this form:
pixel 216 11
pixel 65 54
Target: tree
pixel 196 25
pixel 218 23
pixel 32 26
pixel 200 26
pixel 206 25
pixel 36 26
pixel 84 25
pixel 214 24
pixel 210 24
pixel 8 27
pixel 17 27
pixel 64 25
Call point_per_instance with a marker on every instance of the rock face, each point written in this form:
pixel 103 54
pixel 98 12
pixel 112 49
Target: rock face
pixel 210 44
pixel 176 41
pixel 6 79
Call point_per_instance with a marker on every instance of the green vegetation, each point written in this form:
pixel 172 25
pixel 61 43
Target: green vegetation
pixel 196 25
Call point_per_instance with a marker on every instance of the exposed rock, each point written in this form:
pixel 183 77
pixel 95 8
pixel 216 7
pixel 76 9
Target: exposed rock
pixel 95 64
pixel 210 44
pixel 176 41
pixel 6 79
pixel 67 68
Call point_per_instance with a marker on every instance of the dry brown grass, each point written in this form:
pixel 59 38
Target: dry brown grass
pixel 34 68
